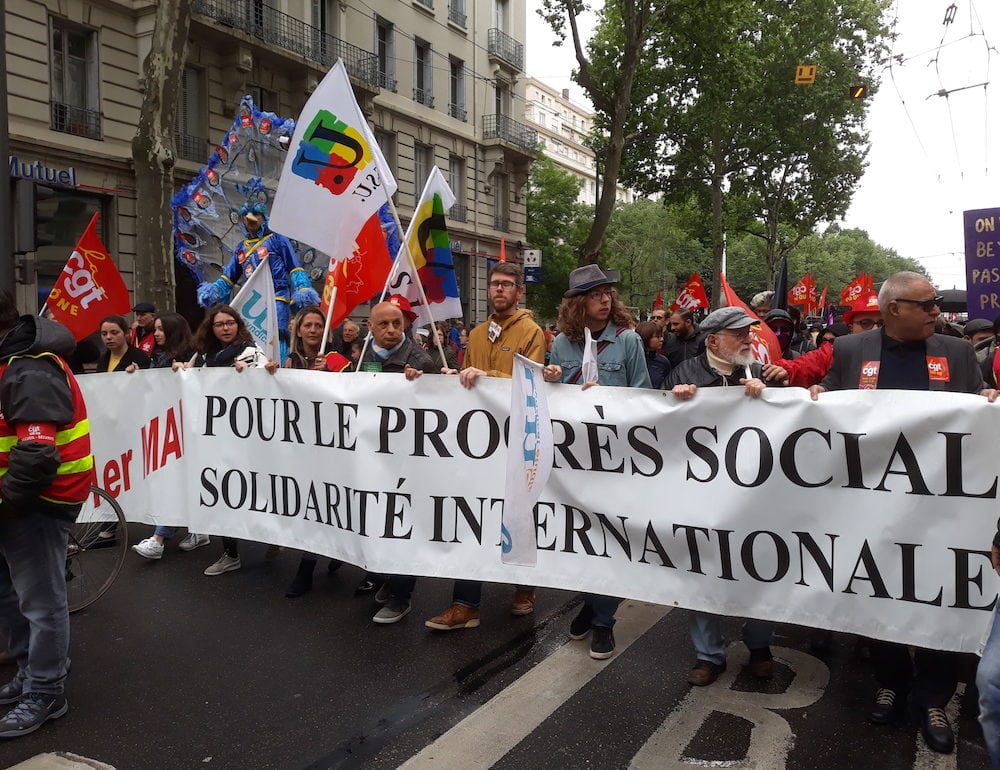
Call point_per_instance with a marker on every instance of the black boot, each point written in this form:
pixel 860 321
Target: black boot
pixel 302 583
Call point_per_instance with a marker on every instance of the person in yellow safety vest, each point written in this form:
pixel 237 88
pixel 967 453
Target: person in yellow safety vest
pixel 46 470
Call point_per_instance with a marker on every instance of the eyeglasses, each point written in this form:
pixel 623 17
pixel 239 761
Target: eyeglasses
pixel 868 323
pixel 740 334
pixel 927 305
pixel 505 285
pixel 600 293
pixel 223 324
pixel 827 340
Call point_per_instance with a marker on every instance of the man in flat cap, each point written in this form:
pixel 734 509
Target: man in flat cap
pixel 727 361
pixel 142 330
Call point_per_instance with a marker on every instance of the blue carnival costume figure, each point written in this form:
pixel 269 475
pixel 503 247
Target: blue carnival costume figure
pixel 291 283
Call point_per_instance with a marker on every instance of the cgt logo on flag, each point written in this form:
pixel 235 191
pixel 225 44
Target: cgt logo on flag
pixel 331 153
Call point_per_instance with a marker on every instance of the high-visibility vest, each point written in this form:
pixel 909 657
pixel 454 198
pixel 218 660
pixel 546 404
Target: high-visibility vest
pixel 75 474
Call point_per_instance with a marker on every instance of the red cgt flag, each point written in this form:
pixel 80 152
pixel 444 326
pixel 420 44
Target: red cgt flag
pixel 89 287
pixel 359 277
pixel 658 302
pixel 692 296
pixel 856 289
pixel 804 292
pixel 766 347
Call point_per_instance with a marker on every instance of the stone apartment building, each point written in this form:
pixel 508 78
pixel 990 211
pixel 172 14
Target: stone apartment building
pixel 563 128
pixel 439 80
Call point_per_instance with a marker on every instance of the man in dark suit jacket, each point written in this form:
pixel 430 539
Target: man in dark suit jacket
pixel 906 354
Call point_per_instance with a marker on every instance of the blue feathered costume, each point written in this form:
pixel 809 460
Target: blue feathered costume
pixel 291 283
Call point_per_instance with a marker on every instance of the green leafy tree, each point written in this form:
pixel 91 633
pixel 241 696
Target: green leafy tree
pixel 729 124
pixel 647 243
pixel 555 222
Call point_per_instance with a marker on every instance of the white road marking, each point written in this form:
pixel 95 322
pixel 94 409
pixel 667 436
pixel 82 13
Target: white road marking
pixel 485 736
pixel 771 737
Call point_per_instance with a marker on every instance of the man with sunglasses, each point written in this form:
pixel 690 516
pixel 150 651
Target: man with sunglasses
pixel 906 354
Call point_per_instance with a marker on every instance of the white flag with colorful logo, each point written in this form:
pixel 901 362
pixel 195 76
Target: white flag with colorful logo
pixel 255 302
pixel 430 249
pixel 529 462
pixel 335 176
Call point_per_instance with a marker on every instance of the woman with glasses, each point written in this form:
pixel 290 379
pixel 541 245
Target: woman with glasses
pixel 223 339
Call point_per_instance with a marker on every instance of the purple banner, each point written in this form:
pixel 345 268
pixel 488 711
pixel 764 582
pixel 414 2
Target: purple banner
pixel 982 262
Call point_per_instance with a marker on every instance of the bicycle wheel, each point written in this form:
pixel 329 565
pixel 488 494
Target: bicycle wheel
pixel 91 564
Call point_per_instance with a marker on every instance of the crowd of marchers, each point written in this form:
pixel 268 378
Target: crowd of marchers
pixel 895 339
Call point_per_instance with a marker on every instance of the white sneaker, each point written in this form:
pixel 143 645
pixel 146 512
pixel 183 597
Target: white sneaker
pixel 149 548
pixel 193 540
pixel 224 564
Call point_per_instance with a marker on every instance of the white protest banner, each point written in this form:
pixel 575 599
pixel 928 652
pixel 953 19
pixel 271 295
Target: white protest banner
pixel 255 302
pixel 868 512
pixel 529 462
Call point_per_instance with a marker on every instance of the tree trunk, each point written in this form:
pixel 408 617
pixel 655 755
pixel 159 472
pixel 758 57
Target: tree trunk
pixel 718 229
pixel 153 154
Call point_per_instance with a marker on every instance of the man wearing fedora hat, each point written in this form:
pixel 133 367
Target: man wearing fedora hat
pixel 591 304
pixel 490 353
pixel 142 336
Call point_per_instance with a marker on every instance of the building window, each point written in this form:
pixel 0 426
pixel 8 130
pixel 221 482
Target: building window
pixel 423 87
pixel 541 119
pixel 456 12
pixel 423 159
pixel 502 97
pixel 501 213
pixel 456 89
pixel 456 181
pixel 190 130
pixel 73 97
pixel 263 100
pixel 500 15
pixel 385 53
pixel 387 143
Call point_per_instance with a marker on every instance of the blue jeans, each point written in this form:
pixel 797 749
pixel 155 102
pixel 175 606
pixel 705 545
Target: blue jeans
pixel 709 644
pixel 603 608
pixel 988 682
pixel 166 532
pixel 33 608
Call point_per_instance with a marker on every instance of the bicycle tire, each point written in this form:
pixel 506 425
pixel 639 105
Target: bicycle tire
pixel 91 571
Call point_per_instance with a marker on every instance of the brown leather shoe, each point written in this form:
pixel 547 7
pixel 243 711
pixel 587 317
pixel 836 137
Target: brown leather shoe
pixel 761 666
pixel 523 603
pixel 455 617
pixel 705 672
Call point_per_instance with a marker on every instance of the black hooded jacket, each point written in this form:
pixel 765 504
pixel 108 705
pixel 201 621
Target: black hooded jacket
pixel 34 390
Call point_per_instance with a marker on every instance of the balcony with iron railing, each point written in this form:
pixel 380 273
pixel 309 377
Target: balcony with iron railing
pixel 457 111
pixel 458 213
pixel 502 46
pixel 386 81
pixel 456 13
pixel 506 129
pixel 501 222
pixel 273 27
pixel 190 147
pixel 78 121
pixel 423 96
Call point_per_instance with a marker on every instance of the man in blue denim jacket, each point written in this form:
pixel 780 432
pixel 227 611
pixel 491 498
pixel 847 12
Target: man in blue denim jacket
pixel 592 303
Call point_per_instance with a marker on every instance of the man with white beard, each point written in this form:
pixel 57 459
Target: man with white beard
pixel 727 361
